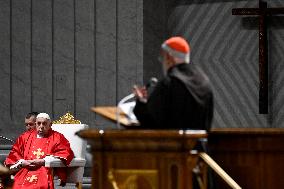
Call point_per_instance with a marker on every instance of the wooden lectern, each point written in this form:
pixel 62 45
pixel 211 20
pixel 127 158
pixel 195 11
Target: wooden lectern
pixel 142 159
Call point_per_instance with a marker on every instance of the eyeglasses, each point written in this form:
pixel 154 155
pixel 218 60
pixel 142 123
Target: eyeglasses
pixel 161 59
pixel 44 123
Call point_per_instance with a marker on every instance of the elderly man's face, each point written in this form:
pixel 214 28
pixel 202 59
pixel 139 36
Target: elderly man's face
pixel 42 126
pixel 30 123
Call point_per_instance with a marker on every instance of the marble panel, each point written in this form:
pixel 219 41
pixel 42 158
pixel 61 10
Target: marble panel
pixel 21 63
pixel 63 57
pixel 42 56
pixel 85 61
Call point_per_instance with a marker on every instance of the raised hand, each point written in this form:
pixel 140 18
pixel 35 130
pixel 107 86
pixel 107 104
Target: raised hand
pixel 140 93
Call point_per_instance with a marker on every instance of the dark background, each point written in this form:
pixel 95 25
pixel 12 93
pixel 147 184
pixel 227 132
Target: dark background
pixel 67 55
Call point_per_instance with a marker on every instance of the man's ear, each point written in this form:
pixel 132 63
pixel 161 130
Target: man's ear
pixel 170 60
pixel 168 56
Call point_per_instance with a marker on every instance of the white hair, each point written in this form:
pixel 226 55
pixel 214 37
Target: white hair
pixel 43 115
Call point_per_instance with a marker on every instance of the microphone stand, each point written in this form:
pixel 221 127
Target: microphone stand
pixel 122 101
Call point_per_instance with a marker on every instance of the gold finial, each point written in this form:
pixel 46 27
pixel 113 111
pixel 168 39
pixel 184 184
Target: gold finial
pixel 67 119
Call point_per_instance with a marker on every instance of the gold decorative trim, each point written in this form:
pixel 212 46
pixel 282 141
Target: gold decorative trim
pixel 112 179
pixel 68 118
pixel 131 178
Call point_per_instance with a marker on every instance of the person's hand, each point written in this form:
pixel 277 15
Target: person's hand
pixel 35 163
pixel 25 163
pixel 140 93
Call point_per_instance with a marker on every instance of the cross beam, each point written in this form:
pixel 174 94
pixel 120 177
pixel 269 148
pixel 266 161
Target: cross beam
pixel 262 12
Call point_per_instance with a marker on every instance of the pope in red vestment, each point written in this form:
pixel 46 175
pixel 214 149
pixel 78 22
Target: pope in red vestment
pixel 30 149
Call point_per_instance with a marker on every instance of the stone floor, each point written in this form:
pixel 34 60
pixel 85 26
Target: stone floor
pixel 85 185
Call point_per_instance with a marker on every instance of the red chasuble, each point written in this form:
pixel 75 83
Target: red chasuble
pixel 29 147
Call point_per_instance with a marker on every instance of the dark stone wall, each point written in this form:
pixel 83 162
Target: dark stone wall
pixel 226 47
pixel 67 55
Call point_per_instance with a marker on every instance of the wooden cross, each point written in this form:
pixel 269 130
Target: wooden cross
pixel 32 178
pixel 38 153
pixel 262 12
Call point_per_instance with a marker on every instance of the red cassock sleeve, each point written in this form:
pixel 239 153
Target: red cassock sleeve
pixel 62 149
pixel 17 151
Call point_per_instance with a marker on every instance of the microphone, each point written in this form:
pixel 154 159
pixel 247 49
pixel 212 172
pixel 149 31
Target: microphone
pixel 151 83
